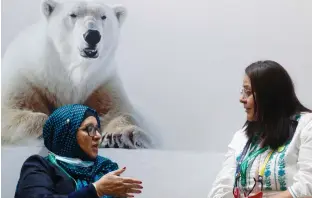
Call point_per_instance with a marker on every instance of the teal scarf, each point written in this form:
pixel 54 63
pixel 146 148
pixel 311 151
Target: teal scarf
pixel 59 133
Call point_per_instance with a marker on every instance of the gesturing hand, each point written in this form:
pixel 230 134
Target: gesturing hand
pixel 114 185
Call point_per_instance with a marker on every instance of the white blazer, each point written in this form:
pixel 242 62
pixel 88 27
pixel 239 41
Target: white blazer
pixel 297 164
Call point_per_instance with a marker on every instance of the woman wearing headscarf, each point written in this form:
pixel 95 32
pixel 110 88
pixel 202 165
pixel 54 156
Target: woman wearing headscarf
pixel 73 167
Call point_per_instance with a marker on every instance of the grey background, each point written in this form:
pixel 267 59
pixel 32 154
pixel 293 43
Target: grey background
pixel 182 62
pixel 182 65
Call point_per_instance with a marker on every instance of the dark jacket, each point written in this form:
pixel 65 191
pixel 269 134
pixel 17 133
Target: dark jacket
pixel 40 178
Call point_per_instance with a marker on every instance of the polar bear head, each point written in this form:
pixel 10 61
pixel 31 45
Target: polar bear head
pixel 82 30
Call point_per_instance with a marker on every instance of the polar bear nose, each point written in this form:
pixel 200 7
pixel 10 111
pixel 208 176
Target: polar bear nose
pixel 92 37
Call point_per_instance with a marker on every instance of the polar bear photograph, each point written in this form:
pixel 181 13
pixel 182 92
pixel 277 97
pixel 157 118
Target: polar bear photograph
pixel 68 57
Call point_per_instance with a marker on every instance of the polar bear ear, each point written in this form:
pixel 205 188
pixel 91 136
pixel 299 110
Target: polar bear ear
pixel 121 13
pixel 47 7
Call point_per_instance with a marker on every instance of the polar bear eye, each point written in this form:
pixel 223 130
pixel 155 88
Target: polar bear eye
pixel 73 16
pixel 103 17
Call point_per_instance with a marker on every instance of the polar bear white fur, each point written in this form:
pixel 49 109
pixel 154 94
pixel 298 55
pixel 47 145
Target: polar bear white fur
pixel 57 61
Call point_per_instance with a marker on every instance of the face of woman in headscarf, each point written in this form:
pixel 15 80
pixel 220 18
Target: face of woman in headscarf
pixel 73 131
pixel 88 136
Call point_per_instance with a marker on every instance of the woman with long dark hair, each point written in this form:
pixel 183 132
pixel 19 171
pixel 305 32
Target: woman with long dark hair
pixel 271 156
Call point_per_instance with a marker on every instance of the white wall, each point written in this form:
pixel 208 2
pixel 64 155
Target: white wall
pixel 166 174
pixel 182 62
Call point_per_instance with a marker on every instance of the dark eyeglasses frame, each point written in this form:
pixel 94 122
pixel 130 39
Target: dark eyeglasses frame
pixel 260 180
pixel 94 129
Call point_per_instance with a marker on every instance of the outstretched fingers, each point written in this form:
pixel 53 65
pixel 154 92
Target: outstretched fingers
pixel 131 180
pixel 119 171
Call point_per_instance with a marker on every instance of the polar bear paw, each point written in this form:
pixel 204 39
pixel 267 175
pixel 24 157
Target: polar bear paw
pixel 128 137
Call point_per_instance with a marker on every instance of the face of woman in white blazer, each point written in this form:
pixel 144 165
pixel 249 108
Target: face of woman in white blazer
pixel 247 99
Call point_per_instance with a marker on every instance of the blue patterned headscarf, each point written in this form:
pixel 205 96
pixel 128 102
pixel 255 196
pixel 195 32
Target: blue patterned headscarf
pixel 59 133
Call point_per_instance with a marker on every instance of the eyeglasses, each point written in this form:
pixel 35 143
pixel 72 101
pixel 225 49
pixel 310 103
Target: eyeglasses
pixel 237 193
pixel 246 93
pixel 91 130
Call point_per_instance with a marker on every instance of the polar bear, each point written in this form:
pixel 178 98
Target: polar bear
pixel 66 58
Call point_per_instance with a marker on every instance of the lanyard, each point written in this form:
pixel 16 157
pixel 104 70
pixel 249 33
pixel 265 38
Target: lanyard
pixel 245 163
pixel 262 168
pixel 242 164
pixel 238 168
pixel 242 158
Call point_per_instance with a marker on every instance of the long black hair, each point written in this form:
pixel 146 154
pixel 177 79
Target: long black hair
pixel 275 103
